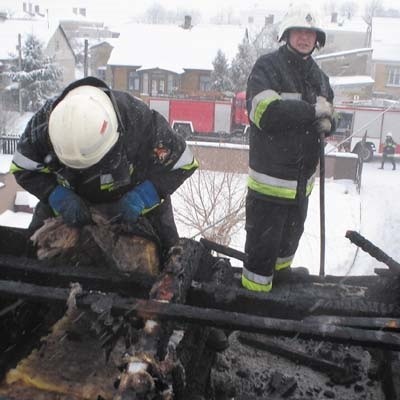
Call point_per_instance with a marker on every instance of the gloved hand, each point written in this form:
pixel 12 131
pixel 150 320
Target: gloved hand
pixel 322 125
pixel 70 206
pixel 135 202
pixel 323 109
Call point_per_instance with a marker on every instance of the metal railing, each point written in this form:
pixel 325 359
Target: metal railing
pixel 8 144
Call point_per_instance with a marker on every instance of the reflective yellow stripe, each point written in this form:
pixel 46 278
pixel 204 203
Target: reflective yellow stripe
pixel 193 165
pixel 283 265
pixel 14 168
pixel 277 191
pixel 256 287
pixel 260 103
pixel 271 190
pixel 146 210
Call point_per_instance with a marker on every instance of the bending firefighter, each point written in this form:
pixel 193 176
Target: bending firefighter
pixel 289 102
pixel 94 145
pixel 389 149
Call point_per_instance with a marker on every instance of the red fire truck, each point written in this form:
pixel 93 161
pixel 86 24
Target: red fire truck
pixel 204 118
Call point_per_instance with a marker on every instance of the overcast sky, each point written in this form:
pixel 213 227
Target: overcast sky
pixel 110 10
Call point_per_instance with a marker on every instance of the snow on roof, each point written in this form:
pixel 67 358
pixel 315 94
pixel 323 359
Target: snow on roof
pixel 350 80
pixel 5 163
pixel 173 48
pixel 15 219
pixel 343 53
pixel 386 39
pixel 355 24
pixel 23 198
pixel 10 28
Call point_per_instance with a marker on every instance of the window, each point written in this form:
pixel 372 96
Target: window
pixel 101 73
pixel 133 81
pixel 205 83
pixel 394 76
pixel 145 88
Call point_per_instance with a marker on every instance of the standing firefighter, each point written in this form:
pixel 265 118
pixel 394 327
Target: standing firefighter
pixel 289 102
pixel 389 148
pixel 94 145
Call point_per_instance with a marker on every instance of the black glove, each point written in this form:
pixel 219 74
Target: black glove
pixel 322 125
pixel 70 206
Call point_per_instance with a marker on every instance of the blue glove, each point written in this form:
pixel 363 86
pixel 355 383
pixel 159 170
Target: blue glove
pixel 70 206
pixel 135 203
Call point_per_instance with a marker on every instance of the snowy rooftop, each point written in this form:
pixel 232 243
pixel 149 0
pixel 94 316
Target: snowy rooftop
pixel 10 29
pixel 354 80
pixel 386 39
pixel 355 24
pixel 179 49
pixel 15 219
pixel 23 198
pixel 343 53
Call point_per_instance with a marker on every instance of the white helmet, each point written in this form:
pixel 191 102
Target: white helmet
pixel 83 127
pixel 301 17
pixel 389 134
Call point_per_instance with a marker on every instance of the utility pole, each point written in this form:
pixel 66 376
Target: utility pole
pixel 19 69
pixel 85 60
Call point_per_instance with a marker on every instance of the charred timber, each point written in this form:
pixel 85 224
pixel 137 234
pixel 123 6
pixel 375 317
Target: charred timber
pixel 183 314
pixel 373 251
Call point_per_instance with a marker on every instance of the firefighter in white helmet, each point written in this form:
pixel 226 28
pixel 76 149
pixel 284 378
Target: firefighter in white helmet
pixel 289 102
pixel 389 150
pixel 95 145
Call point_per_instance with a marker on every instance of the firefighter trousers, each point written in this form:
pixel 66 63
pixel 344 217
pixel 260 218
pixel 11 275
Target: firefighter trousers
pixel 273 234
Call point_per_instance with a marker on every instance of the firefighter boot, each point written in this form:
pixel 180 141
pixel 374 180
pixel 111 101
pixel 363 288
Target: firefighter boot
pixel 217 340
pixel 290 274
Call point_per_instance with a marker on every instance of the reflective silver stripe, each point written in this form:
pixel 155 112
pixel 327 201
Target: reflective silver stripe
pixel 26 163
pixel 260 279
pixel 281 260
pixel 268 95
pixel 272 181
pixel 185 159
pixel 277 182
pixel 106 179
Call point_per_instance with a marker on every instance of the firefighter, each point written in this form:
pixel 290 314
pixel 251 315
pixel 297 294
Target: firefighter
pixel 289 103
pixel 95 145
pixel 389 148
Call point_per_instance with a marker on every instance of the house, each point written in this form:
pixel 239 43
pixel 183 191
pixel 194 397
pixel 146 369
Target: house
pixel 169 59
pixel 56 44
pixel 385 40
pixel 349 73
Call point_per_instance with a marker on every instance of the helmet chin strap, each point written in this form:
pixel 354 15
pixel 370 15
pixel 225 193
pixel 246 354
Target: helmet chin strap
pixel 303 55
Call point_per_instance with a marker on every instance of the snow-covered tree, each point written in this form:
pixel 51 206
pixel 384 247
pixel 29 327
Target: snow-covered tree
pixel 266 41
pixel 220 76
pixel 242 64
pixel 39 76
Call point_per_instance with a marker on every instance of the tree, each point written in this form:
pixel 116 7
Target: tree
pixel 220 79
pixel 212 204
pixel 348 9
pixel 39 76
pixel 242 65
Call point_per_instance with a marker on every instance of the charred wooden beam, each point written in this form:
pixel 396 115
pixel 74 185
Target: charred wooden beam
pixel 228 251
pixel 183 314
pixel 274 347
pixel 373 250
pixel 389 324
pixel 52 274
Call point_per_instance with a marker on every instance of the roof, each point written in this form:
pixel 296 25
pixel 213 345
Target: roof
pixel 173 48
pixel 386 39
pixel 343 53
pixel 355 24
pixel 10 28
pixel 355 80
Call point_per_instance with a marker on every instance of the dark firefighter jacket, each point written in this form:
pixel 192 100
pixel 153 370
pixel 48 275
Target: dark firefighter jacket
pixel 389 147
pixel 146 149
pixel 284 147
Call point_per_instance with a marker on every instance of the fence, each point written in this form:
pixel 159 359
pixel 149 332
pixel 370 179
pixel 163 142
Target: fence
pixel 8 144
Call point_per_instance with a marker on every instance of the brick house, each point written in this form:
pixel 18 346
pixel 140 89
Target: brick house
pixel 168 59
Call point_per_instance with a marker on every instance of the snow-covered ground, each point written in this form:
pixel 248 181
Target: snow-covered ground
pixel 375 213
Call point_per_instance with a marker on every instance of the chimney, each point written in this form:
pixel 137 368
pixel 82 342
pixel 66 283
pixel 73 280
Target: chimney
pixel 82 11
pixel 334 16
pixel 188 22
pixel 24 7
pixel 269 20
pixel 37 9
pixel 3 16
